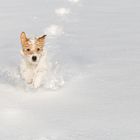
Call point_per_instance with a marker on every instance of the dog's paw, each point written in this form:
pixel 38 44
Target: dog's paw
pixel 36 84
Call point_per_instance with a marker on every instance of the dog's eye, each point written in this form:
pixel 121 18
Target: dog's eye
pixel 28 50
pixel 38 49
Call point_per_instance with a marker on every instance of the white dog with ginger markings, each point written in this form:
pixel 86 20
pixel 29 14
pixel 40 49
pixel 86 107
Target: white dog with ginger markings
pixel 34 64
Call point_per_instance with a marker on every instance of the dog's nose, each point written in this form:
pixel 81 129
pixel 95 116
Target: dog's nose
pixel 34 58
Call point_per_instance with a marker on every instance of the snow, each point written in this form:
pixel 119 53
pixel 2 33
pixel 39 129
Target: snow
pixel 62 11
pixel 92 88
pixel 54 30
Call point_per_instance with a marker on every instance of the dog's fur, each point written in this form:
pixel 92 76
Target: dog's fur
pixel 33 66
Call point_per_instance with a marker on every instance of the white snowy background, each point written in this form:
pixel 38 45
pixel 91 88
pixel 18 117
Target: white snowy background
pixel 93 86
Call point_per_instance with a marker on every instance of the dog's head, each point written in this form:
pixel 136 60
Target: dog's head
pixel 32 49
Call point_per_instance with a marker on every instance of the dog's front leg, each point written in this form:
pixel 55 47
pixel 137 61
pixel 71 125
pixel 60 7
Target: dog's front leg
pixel 38 78
pixel 26 73
pixel 27 76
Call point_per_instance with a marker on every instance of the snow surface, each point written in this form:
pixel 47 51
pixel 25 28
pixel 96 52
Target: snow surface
pixel 92 91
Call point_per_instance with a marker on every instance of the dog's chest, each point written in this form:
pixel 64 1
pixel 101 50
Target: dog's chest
pixel 41 66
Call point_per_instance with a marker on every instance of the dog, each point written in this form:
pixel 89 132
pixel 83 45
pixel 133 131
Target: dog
pixel 33 66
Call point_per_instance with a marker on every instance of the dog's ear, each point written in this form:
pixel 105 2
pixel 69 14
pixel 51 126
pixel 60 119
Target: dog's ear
pixel 41 40
pixel 23 38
